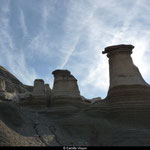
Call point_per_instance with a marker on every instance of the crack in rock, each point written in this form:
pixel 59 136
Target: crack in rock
pixel 56 137
pixel 37 133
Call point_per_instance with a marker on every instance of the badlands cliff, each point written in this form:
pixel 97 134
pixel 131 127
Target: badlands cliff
pixel 40 116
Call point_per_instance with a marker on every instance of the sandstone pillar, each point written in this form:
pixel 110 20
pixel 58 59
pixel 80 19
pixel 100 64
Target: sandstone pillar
pixel 39 87
pixel 65 84
pixel 48 93
pixel 47 88
pixel 128 97
pixel 121 67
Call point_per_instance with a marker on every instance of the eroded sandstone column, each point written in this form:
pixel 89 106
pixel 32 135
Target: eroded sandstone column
pixel 47 88
pixel 39 87
pixel 65 84
pixel 121 67
pixel 128 98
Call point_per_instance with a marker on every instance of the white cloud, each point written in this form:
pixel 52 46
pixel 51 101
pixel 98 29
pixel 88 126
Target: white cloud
pixel 98 75
pixel 20 69
pixel 15 61
pixel 41 43
pixel 23 24
pixel 77 18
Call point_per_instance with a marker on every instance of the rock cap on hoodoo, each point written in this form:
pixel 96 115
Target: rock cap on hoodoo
pixel 59 71
pixel 121 47
pixel 38 80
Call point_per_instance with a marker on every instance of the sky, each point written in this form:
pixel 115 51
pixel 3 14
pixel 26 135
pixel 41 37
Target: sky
pixel 40 36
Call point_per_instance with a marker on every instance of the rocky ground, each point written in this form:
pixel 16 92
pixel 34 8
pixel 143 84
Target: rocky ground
pixel 65 126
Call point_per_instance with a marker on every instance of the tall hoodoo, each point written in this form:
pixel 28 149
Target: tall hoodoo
pixel 65 84
pixel 121 67
pixel 128 95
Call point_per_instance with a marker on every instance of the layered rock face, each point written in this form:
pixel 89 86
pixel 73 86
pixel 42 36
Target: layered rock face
pixel 12 84
pixel 40 96
pixel 2 85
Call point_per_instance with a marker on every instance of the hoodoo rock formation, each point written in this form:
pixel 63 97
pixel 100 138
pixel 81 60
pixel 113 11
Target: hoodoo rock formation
pixel 40 116
pixel 65 87
pixel 39 87
pixel 129 94
pixel 121 68
pixel 65 84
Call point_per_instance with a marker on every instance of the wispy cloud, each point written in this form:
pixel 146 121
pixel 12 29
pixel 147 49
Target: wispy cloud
pixel 40 43
pixel 127 22
pixel 10 58
pixel 20 69
pixel 77 18
pixel 23 24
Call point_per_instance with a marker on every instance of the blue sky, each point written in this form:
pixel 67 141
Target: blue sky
pixel 39 36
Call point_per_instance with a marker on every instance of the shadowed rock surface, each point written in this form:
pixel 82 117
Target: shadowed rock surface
pixel 40 116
